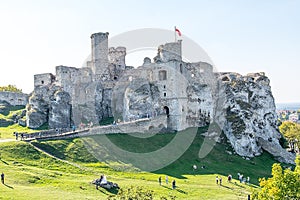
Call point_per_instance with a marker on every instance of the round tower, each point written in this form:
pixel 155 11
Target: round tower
pixel 99 54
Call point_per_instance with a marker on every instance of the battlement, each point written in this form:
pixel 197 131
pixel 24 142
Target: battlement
pixel 99 35
pixel 117 56
pixel 43 79
pixel 170 51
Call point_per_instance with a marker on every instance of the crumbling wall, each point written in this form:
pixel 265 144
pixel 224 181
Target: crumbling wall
pixel 14 98
pixel 169 51
pixel 43 79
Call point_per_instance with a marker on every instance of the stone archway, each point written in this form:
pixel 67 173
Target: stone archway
pixel 167 111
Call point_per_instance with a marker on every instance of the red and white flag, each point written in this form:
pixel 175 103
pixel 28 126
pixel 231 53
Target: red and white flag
pixel 178 31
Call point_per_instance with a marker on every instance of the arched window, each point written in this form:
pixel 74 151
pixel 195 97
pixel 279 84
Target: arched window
pixel 167 111
pixel 162 75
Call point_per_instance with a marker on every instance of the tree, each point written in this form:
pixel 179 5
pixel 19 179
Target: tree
pixel 291 131
pixel 283 185
pixel 10 88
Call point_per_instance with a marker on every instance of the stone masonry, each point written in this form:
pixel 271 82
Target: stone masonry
pixel 188 94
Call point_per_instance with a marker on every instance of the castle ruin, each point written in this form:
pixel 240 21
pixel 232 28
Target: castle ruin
pixel 109 88
pixel 166 85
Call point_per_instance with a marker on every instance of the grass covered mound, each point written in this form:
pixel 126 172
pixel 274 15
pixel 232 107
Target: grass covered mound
pixel 67 171
pixel 217 161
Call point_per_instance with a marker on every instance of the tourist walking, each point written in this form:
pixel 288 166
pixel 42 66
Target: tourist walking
pixel 173 184
pixel 217 180
pixel 2 178
pixel 159 180
pixel 220 180
pixel 229 178
pixel 167 180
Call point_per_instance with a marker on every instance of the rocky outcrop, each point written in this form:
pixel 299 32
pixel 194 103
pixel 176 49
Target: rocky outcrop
pixel 60 110
pixel 251 121
pixel 37 111
pixel 83 103
pixel 49 104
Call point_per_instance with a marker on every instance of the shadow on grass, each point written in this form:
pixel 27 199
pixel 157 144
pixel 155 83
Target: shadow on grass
pixel 181 191
pixel 221 160
pixel 4 162
pixel 241 186
pixel 176 189
pixel 108 191
pixel 11 187
pixel 226 187
pixel 166 187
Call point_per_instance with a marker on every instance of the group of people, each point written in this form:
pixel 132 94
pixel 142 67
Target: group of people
pixel 243 179
pixel 218 180
pixel 16 134
pixel 167 182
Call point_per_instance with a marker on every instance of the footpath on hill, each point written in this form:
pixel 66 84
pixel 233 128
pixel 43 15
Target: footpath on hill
pixel 6 140
pixel 65 161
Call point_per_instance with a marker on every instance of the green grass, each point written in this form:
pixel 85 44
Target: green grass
pixel 8 111
pixel 31 174
pixel 7 132
pixel 7 115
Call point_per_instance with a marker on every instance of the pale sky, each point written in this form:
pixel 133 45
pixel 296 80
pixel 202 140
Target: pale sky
pixel 240 36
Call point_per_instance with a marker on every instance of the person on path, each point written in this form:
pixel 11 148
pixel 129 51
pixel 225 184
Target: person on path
pixel 2 178
pixel 159 180
pixel 167 180
pixel 217 180
pixel 220 180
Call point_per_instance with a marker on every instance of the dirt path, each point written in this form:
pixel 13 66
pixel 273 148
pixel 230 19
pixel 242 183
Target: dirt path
pixel 6 140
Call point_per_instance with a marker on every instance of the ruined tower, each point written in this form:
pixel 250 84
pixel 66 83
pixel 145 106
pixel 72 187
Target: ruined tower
pixel 99 56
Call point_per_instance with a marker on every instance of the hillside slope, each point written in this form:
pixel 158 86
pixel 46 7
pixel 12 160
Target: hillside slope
pixel 31 174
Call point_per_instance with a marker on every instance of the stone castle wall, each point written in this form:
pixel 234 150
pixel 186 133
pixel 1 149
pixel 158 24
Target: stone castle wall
pixel 14 98
pixel 184 92
pixel 43 79
pixel 117 56
pixel 170 51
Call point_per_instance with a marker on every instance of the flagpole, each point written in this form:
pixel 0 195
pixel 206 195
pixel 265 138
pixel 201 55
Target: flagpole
pixel 175 33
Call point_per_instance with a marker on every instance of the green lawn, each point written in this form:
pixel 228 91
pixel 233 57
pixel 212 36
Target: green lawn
pixel 8 115
pixel 31 174
pixel 8 132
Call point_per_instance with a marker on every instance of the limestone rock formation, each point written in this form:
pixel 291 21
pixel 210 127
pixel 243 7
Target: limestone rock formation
pixel 49 104
pixel 251 121
pixel 60 110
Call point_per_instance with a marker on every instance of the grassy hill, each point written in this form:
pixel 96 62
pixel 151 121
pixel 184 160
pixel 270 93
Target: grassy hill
pixel 64 169
pixel 32 174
